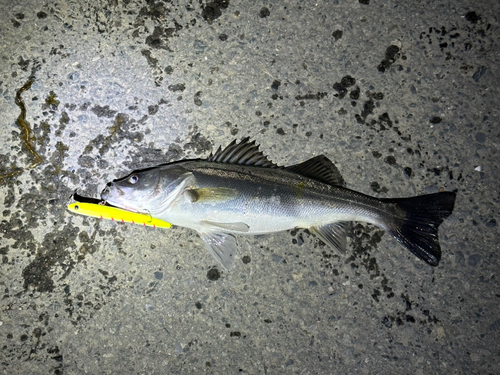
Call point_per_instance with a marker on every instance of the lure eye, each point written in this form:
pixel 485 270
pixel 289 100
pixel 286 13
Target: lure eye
pixel 133 179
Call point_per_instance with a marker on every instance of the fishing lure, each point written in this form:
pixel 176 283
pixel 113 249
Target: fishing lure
pixel 116 214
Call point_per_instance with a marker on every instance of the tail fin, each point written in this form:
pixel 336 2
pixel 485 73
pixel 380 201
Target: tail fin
pixel 418 230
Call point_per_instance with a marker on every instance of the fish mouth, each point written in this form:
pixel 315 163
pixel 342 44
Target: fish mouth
pixel 107 191
pixel 106 194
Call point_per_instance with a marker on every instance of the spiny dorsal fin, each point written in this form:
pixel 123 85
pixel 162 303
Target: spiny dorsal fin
pixel 319 168
pixel 243 153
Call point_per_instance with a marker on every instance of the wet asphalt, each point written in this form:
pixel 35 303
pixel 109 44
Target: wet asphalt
pixel 403 97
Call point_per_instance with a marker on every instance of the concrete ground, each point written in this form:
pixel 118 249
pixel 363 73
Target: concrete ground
pixel 402 96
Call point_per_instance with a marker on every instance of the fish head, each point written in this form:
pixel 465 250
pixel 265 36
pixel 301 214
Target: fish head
pixel 150 190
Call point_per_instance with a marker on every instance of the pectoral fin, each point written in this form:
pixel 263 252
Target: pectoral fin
pixel 333 234
pixel 222 246
pixel 211 195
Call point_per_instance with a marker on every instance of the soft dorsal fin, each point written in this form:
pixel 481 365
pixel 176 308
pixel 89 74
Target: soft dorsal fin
pixel 319 168
pixel 243 153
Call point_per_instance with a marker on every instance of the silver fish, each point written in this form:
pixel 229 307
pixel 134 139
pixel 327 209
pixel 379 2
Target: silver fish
pixel 238 190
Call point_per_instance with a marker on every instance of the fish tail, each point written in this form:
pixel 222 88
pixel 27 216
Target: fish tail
pixel 418 229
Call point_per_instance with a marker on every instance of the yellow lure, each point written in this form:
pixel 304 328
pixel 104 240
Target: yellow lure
pixel 116 214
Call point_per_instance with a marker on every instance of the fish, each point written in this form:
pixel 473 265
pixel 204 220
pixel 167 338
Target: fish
pixel 238 190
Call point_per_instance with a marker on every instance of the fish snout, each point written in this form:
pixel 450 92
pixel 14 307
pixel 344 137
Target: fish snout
pixel 111 191
pixel 106 192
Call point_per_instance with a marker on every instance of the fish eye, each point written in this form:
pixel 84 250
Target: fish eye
pixel 133 179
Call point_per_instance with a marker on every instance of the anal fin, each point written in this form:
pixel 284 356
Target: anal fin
pixel 333 234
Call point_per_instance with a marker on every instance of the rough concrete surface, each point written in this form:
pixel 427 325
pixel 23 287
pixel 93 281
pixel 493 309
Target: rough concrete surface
pixel 402 96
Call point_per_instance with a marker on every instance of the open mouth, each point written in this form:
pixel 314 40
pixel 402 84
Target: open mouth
pixel 106 199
